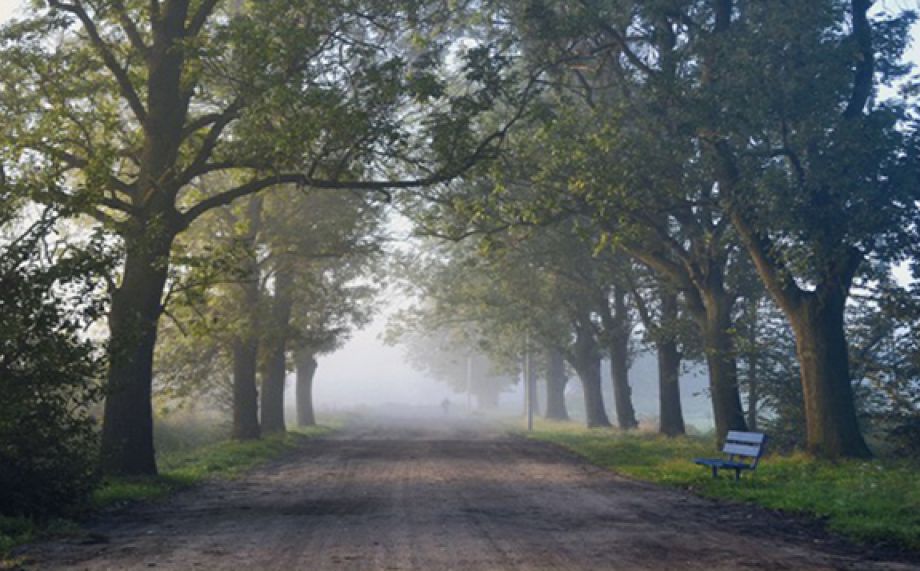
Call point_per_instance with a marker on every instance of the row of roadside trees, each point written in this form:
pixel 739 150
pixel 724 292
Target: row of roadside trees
pixel 743 160
pixel 703 167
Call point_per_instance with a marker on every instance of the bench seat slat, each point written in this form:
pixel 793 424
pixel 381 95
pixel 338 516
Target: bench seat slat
pixel 738 446
pixel 722 463
pixel 742 449
pixel 745 437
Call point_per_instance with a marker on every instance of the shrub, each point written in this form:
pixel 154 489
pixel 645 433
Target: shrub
pixel 48 375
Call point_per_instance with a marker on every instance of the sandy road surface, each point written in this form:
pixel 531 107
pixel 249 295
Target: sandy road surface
pixel 395 495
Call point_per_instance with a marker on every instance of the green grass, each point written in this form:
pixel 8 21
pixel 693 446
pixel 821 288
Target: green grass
pixel 870 501
pixel 187 467
pixel 181 465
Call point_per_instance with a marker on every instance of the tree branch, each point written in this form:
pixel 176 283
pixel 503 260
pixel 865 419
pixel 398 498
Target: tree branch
pixel 210 141
pixel 72 161
pixel 134 35
pixel 201 17
pixel 865 65
pixel 121 75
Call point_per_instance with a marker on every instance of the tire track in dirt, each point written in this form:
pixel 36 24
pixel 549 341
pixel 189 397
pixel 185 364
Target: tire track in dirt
pixel 408 495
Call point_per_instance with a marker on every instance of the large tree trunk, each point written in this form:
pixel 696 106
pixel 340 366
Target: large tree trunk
pixel 589 372
pixel 622 393
pixel 586 360
pixel 671 413
pixel 556 381
pixel 619 363
pixel 273 380
pixel 127 429
pixel 273 383
pixel 245 394
pixel 830 414
pixel 246 345
pixel 817 320
pixel 723 367
pixel 669 357
pixel 306 364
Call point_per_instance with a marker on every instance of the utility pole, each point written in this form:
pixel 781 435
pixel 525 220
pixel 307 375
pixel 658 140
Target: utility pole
pixel 469 383
pixel 528 382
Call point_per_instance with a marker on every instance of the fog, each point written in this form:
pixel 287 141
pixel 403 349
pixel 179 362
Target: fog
pixel 8 8
pixel 366 373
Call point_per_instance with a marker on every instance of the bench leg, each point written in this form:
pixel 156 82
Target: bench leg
pixel 737 474
pixel 715 471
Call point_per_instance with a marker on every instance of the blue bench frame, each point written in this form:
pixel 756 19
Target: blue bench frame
pixel 739 445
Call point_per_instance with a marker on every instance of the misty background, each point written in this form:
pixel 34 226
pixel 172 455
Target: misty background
pixel 366 372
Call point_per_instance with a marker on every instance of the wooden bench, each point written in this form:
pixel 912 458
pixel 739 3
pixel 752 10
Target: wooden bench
pixel 740 445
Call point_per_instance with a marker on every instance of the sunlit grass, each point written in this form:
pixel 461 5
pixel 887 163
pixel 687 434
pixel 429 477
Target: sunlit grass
pixel 876 501
pixel 181 466
pixel 190 466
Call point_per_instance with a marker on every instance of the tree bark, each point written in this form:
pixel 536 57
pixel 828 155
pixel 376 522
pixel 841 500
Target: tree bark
pixel 127 431
pixel 830 413
pixel 619 363
pixel 817 320
pixel 245 394
pixel 723 368
pixel 306 364
pixel 556 381
pixel 586 360
pixel 273 380
pixel 589 371
pixel 671 416
pixel 246 345
pixel 127 447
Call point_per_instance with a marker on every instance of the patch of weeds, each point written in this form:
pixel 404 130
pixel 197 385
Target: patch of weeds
pixel 16 531
pixel 874 501
pixel 180 468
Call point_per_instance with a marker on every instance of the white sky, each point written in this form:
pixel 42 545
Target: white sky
pixel 7 8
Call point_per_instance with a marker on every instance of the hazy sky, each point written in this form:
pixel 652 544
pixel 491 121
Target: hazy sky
pixel 7 8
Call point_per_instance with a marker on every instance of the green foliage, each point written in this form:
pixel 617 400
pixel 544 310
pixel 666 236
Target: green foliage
pixel 327 243
pixel 885 353
pixel 876 501
pixel 49 371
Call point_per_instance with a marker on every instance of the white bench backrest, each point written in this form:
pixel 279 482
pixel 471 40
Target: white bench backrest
pixel 748 444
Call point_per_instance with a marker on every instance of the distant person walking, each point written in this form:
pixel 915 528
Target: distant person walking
pixel 445 406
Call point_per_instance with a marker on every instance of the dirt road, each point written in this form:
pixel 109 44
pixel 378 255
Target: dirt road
pixel 396 495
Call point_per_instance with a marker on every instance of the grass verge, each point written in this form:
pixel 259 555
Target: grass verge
pixel 874 501
pixel 188 467
pixel 178 469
